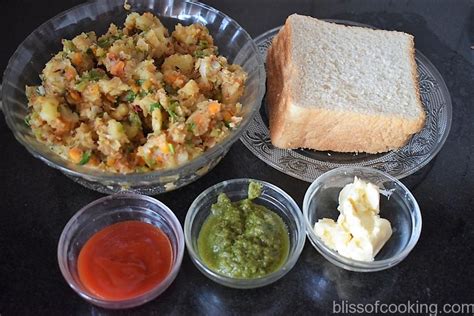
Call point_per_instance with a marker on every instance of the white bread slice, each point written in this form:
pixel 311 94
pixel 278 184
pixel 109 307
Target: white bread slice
pixel 342 88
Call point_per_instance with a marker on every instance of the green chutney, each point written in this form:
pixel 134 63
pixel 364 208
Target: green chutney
pixel 242 239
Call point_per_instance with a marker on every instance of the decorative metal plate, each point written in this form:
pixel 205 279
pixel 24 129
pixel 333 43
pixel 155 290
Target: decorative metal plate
pixel 307 165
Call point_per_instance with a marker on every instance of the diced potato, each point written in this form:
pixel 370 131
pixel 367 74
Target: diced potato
pixel 209 68
pixel 120 112
pixel 114 86
pixel 188 35
pixel 49 109
pixel 142 45
pixel 158 42
pixel 131 130
pixel 143 22
pixel 156 120
pixel 84 41
pixel 68 115
pixel 91 93
pixel 189 94
pixel 183 63
pixel 83 137
pixel 54 81
pixel 145 103
pixel 145 70
pixel 232 85
pixel 116 130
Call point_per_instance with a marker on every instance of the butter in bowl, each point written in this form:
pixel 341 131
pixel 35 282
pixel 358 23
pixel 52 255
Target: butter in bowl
pixel 378 219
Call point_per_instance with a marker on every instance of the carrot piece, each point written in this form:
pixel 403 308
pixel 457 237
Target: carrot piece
pixel 118 68
pixel 109 97
pixel 76 96
pixel 111 55
pixel 139 161
pixel 135 87
pixel 227 116
pixel 214 108
pixel 77 59
pixel 198 118
pixel 75 154
pixel 165 149
pixel 70 73
pixel 111 161
pixel 170 77
pixel 93 160
pixel 146 85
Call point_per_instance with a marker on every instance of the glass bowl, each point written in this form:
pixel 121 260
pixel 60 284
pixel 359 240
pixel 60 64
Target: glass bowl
pixel 107 211
pixel 27 62
pixel 274 199
pixel 397 205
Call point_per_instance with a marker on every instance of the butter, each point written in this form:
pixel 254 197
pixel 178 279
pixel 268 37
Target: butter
pixel 359 232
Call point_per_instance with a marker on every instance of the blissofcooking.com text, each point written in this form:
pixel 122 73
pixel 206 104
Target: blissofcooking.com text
pixel 408 308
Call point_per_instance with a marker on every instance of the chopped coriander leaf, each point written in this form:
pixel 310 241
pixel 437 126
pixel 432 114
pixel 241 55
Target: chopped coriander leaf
pixel 199 54
pixel 27 120
pixel 69 46
pixel 171 110
pixel 140 81
pixel 171 147
pixel 191 126
pixel 203 44
pixel 142 93
pixel 149 162
pixel 86 156
pixel 95 75
pixel 104 42
pixel 154 106
pixel 172 115
pixel 130 96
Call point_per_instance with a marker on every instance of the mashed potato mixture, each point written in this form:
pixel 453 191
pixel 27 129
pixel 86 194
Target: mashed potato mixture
pixel 136 99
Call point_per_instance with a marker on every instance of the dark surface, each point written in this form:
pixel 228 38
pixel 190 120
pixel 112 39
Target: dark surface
pixel 37 201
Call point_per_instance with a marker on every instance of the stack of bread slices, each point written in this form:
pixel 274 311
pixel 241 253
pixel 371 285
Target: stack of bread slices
pixel 342 88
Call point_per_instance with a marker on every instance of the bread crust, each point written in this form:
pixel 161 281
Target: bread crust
pixel 277 87
pixel 293 126
pixel 416 82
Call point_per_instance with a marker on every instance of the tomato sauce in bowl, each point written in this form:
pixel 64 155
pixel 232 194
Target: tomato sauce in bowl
pixel 121 251
pixel 125 260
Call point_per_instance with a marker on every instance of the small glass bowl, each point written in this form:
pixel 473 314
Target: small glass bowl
pixel 397 205
pixel 107 211
pixel 274 199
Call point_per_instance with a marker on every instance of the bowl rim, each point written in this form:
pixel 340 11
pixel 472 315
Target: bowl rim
pixel 135 177
pixel 246 283
pixel 355 265
pixel 151 294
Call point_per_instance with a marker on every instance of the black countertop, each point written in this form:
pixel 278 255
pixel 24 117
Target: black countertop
pixel 37 201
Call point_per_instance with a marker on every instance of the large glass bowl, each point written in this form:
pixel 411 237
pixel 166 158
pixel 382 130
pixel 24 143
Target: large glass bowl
pixel 30 57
